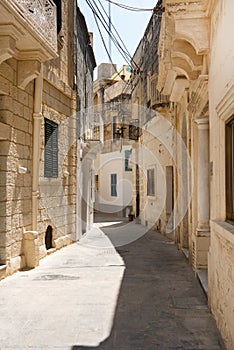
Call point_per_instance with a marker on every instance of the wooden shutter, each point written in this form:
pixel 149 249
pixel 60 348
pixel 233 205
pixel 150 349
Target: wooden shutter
pixel 51 149
pixel 230 170
pixel 150 182
pixel 113 185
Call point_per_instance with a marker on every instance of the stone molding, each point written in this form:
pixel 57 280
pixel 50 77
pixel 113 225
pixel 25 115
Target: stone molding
pixel 225 108
pixel 202 123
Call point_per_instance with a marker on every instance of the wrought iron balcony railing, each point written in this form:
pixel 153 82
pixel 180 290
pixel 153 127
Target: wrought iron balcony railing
pixel 41 15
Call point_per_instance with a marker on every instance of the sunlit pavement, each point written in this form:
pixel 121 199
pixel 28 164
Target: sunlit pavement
pixel 92 296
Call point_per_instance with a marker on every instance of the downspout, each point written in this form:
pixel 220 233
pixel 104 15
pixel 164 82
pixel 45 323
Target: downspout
pixel 37 121
pixel 31 244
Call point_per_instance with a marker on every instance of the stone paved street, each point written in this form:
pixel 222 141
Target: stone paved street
pixel 140 296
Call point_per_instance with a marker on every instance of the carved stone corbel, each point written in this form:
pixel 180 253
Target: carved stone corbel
pixel 27 71
pixel 7 48
pixel 198 105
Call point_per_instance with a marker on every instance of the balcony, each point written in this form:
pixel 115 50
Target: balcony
pixel 156 98
pixel 115 91
pixel 28 30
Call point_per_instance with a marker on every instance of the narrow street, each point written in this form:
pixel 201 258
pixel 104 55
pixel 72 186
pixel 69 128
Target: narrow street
pixel 140 296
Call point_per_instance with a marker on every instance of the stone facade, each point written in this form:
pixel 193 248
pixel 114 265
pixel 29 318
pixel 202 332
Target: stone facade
pixel 153 152
pixel 193 73
pixel 112 104
pixel 38 214
pixel 196 70
pixel 84 66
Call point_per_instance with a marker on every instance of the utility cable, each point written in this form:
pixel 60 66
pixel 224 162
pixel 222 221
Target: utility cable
pixel 104 44
pixel 112 25
pixel 104 23
pixel 130 8
pixel 124 53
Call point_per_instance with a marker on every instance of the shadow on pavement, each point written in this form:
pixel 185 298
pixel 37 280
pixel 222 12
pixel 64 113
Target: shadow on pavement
pixel 161 305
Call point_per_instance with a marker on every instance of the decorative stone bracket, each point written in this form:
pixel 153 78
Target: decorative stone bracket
pixel 195 31
pixel 8 38
pixel 7 48
pixel 199 97
pixel 178 89
pixel 27 71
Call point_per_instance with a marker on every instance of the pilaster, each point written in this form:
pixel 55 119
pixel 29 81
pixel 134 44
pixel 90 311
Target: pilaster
pixel 202 234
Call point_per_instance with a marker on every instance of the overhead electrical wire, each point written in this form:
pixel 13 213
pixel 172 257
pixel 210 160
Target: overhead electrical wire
pixel 130 8
pixel 125 54
pixel 112 26
pixel 103 41
pixel 118 42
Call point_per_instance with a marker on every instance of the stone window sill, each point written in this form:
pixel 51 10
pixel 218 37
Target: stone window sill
pixel 225 229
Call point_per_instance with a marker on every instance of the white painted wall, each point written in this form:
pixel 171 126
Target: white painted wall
pixel 114 163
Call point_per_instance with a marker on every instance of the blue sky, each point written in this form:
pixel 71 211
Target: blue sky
pixel 130 26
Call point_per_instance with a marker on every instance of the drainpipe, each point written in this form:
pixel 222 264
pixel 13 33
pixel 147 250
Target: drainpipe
pixel 37 120
pixel 31 244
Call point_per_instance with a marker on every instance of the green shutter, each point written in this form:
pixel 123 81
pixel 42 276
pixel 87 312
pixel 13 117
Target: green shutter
pixel 51 149
pixel 113 185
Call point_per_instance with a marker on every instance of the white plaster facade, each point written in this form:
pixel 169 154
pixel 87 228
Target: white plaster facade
pixel 114 163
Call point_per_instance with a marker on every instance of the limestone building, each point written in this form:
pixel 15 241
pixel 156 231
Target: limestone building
pixel 153 193
pixel 196 72
pixel 113 171
pixel 39 126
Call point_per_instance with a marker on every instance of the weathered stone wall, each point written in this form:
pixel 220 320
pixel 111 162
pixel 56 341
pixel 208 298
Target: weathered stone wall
pixel 57 197
pixel 221 279
pixel 57 206
pixel 16 108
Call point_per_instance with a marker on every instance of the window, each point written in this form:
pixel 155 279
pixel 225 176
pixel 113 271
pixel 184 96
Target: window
pixel 230 170
pixel 150 182
pixel 59 14
pixel 114 128
pixel 127 158
pixel 134 130
pixel 51 149
pixel 96 183
pixel 113 185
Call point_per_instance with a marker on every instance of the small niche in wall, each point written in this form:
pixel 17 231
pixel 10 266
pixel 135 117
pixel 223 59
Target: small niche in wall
pixel 48 237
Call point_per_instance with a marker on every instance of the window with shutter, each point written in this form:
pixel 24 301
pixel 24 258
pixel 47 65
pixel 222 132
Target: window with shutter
pixel 51 149
pixel 150 182
pixel 230 170
pixel 127 160
pixel 113 185
pixel 114 128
